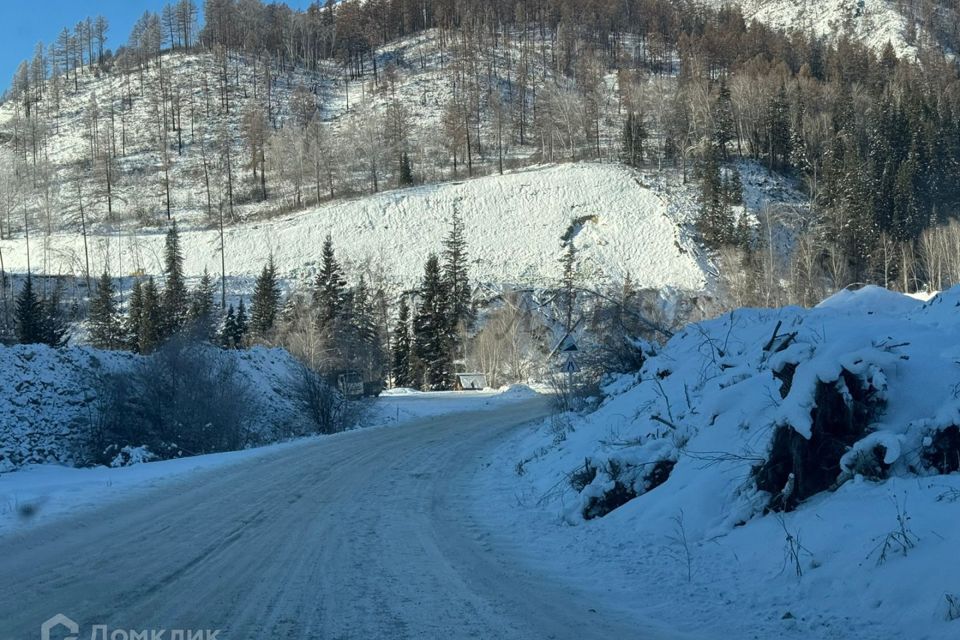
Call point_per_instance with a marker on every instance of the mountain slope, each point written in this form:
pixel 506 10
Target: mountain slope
pixel 514 226
pixel 873 22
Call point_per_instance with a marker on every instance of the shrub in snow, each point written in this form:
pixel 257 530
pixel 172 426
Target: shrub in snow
pixel 185 399
pixel 941 450
pixel 871 457
pixel 128 456
pixel 800 465
pixel 794 552
pixel 323 404
pixel 81 406
pixel 615 481
pixel 900 540
pixel 950 607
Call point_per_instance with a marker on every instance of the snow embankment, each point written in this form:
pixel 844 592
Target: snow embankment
pixel 513 224
pixel 51 400
pixel 785 473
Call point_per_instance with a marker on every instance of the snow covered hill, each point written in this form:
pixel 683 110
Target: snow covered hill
pixel 514 228
pixel 874 22
pixel 168 124
pixel 793 473
pixel 120 143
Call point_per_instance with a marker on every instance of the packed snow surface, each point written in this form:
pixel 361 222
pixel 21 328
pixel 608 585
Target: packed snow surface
pixel 364 535
pixel 872 557
pixel 514 225
pixel 40 493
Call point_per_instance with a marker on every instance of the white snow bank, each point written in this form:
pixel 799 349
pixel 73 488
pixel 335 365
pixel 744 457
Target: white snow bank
pixel 513 226
pixel 718 404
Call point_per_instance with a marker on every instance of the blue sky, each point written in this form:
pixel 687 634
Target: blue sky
pixel 24 23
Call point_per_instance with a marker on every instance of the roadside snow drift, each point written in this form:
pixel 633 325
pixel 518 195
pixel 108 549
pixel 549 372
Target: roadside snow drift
pixel 795 469
pixel 50 400
pixel 513 224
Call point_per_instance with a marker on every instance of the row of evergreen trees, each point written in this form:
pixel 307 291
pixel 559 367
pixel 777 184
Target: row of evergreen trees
pixel 155 313
pixel 877 151
pixel 428 343
pixel 348 325
pixel 342 318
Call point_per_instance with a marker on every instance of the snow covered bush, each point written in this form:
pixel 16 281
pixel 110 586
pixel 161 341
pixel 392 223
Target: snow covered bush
pixel 185 399
pixel 941 449
pixel 764 409
pixel 129 456
pixel 81 406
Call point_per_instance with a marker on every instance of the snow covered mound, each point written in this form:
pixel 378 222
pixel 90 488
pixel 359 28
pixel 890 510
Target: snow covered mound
pixel 809 458
pixel 514 226
pixel 873 22
pixel 50 399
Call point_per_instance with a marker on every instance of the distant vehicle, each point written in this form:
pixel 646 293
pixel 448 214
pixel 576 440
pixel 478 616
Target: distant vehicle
pixel 373 389
pixel 470 382
pixel 350 384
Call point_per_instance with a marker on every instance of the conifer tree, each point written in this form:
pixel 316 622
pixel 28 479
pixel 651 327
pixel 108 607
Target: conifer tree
pixel 405 176
pixel 174 304
pixel 228 332
pixel 734 191
pixel 568 285
pixel 53 329
pixel 401 346
pixel 134 317
pixel 716 219
pixel 723 119
pixel 150 334
pixel 201 311
pixel 457 281
pixel 242 323
pixel 778 130
pixel 628 149
pixel 234 327
pixel 29 314
pixel 330 287
pixel 798 145
pixel 104 323
pixel 635 136
pixel 362 346
pixel 431 334
pixel 266 301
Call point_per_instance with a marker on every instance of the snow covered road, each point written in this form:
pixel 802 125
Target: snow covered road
pixel 367 535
